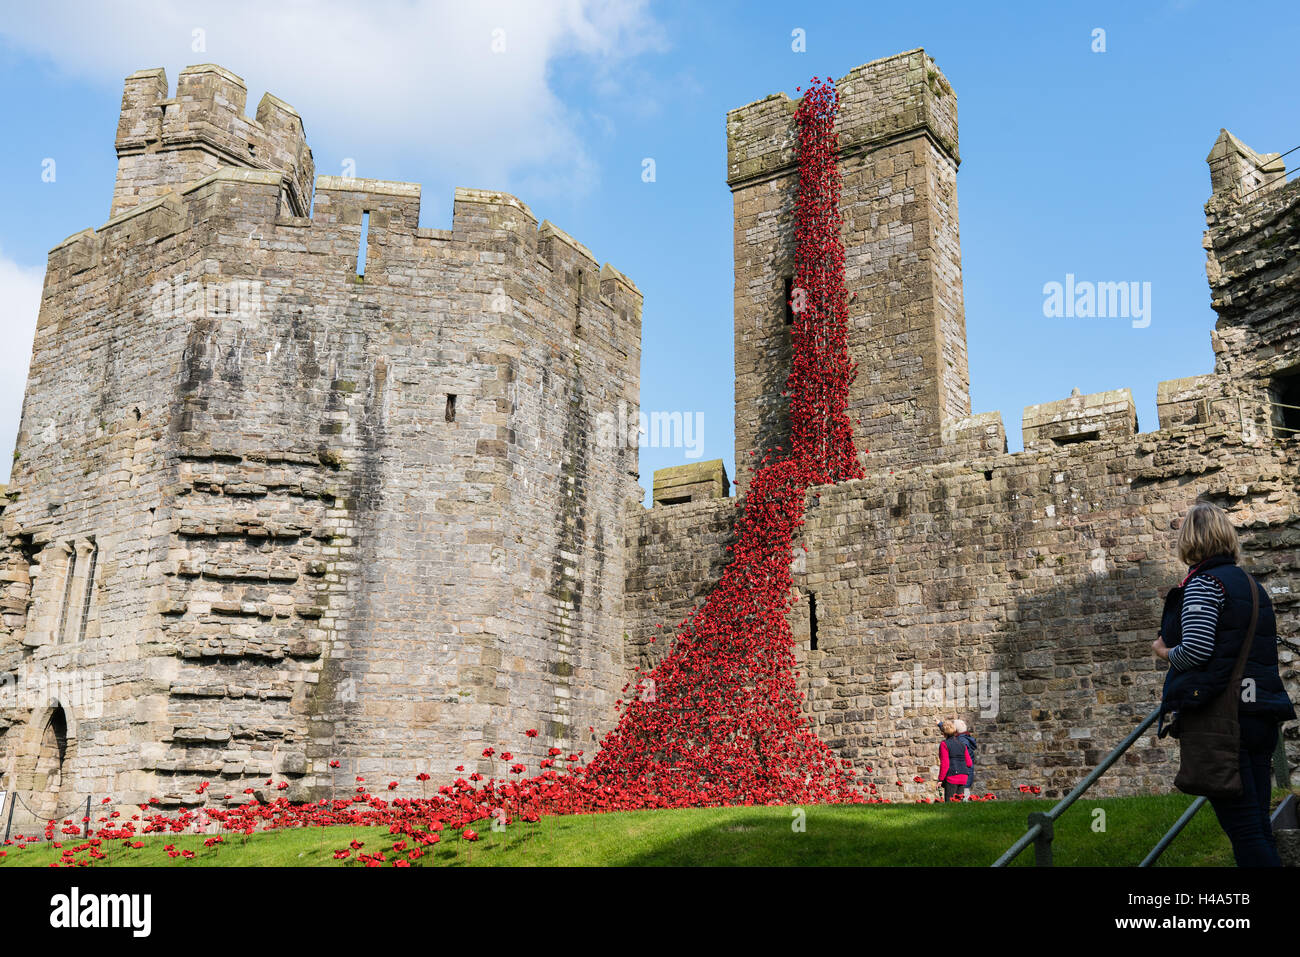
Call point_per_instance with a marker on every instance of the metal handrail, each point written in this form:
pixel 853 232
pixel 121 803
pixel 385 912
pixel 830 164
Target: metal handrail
pixel 1281 814
pixel 1283 405
pixel 1040 831
pixel 1241 411
pixel 1040 823
pixel 1173 832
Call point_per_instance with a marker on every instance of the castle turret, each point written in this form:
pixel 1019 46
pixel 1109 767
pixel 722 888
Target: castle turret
pixel 1237 170
pixel 315 495
pixel 163 144
pixel 907 328
pixel 1252 246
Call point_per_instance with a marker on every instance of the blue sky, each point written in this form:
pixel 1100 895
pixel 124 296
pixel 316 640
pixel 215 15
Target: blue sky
pixel 1073 161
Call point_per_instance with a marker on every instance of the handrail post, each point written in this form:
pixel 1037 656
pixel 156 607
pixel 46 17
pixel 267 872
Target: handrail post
pixel 1042 837
pixel 1043 842
pixel 85 832
pixel 1281 770
pixel 9 824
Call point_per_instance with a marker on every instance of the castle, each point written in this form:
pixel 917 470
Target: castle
pixel 303 491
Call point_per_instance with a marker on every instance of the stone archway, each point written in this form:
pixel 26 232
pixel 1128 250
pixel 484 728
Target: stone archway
pixel 49 773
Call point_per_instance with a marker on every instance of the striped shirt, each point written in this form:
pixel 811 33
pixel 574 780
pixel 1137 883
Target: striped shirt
pixel 1202 600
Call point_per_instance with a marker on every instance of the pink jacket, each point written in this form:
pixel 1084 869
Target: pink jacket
pixel 944 765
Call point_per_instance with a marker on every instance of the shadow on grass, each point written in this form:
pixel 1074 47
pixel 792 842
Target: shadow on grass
pixel 833 837
pixel 829 836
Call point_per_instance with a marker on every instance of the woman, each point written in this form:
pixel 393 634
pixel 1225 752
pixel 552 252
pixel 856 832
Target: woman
pixel 1204 623
pixel 955 762
pixel 967 739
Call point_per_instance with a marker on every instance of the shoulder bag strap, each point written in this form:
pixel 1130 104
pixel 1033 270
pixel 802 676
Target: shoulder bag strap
pixel 1240 667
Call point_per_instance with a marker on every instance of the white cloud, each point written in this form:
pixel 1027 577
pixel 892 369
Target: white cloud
pixel 375 77
pixel 20 300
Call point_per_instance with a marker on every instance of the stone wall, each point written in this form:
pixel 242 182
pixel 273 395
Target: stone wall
pixel 1045 569
pixel 690 483
pixel 335 516
pixel 1252 244
pixel 677 554
pixel 272 508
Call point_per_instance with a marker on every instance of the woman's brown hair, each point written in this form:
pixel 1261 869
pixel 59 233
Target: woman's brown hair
pixel 1207 531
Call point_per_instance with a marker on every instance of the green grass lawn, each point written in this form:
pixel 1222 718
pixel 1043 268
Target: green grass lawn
pixel 894 835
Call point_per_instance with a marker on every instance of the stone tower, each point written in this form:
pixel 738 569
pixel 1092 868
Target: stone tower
pixel 282 509
pixel 907 332
pixel 1020 591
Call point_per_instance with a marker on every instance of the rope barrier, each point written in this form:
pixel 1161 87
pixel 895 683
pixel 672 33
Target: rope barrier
pixel 79 805
pixel 74 812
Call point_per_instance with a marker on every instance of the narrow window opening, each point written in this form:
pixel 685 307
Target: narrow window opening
pixel 789 300
pixel 365 241
pixel 577 312
pixel 988 475
pixel 451 407
pixel 812 620
pixel 69 571
pixel 675 500
pixel 89 592
pixel 1285 398
pixel 1076 438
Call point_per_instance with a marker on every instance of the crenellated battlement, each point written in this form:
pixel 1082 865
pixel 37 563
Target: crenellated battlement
pixel 487 227
pixel 164 142
pixel 885 100
pixel 1080 418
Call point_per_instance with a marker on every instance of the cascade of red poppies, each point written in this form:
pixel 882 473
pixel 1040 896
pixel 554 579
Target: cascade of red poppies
pixel 719 720
pixel 821 371
pixel 721 715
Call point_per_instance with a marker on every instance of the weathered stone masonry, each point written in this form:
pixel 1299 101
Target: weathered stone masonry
pixel 1047 567
pixel 286 513
pixel 898 159
pixel 336 516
